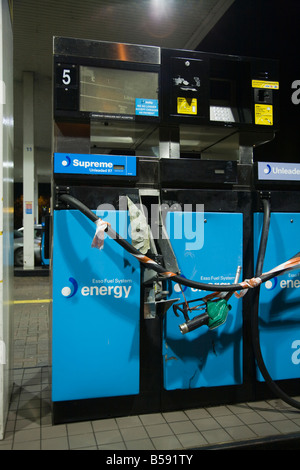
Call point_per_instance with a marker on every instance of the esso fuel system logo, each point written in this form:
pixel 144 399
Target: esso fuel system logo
pixel 117 288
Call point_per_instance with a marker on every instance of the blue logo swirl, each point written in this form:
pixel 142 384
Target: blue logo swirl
pixel 66 161
pixel 271 283
pixel 70 291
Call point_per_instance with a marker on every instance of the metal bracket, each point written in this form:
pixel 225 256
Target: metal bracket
pixel 264 195
pixel 59 190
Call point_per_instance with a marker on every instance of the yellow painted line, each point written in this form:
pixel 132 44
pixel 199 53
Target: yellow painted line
pixel 39 301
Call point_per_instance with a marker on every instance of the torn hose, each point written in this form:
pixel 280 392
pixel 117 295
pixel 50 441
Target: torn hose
pixel 293 263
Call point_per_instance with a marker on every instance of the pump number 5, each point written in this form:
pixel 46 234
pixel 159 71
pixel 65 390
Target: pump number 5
pixel 66 76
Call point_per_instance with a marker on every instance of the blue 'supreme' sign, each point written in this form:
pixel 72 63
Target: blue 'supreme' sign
pixel 87 164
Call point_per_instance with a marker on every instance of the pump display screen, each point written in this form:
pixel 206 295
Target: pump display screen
pixel 222 91
pixel 230 99
pixel 118 91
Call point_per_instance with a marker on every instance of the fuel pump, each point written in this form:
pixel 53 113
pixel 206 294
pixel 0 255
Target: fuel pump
pixel 154 210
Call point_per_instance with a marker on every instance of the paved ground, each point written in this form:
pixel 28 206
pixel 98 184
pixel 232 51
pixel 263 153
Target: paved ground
pixel 29 424
pixel 31 321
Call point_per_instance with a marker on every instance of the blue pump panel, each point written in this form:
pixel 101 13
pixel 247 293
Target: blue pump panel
pixel 96 311
pixel 203 357
pixel 279 312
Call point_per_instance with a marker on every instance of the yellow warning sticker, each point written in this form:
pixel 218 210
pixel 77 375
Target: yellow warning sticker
pixel 186 105
pixel 264 114
pixel 265 84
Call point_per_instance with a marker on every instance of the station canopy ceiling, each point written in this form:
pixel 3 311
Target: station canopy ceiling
pixel 179 24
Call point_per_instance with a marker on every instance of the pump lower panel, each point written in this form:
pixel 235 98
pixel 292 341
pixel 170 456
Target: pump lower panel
pixel 108 359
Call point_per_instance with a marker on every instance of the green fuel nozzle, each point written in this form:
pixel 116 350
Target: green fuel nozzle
pixel 217 312
pixel 215 315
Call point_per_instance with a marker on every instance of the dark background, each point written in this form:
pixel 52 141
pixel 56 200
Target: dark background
pixel 270 29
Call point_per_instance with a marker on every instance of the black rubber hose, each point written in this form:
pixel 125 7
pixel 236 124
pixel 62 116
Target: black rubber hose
pixel 76 204
pixel 264 238
pixel 255 314
pixel 72 201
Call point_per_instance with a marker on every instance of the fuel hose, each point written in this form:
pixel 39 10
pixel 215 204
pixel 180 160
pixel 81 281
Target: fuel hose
pixel 255 315
pixel 147 262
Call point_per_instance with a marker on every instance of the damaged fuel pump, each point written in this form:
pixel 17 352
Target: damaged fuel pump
pixel 153 150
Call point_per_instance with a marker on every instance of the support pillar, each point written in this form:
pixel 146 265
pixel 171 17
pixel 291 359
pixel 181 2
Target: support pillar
pixel 28 170
pixel 36 197
pixel 6 213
